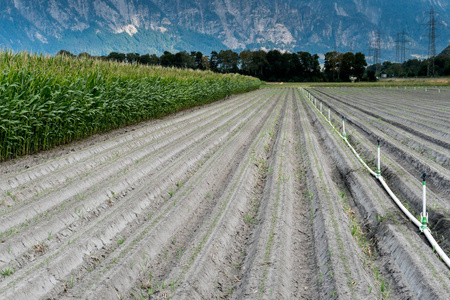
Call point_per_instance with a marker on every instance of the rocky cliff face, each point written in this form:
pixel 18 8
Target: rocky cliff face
pixel 144 26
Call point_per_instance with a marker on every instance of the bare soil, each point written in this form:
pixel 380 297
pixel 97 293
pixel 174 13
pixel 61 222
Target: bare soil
pixel 252 197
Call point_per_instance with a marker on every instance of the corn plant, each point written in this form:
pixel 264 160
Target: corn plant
pixel 48 101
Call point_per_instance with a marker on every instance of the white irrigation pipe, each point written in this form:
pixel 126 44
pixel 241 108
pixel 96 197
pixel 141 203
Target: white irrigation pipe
pixel 360 159
pixel 436 247
pixel 399 203
pixel 421 225
pixel 343 128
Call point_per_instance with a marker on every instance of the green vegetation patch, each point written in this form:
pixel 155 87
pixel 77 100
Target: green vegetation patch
pixel 49 101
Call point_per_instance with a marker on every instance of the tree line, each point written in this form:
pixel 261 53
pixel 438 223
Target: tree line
pixel 413 67
pixel 277 66
pixel 274 65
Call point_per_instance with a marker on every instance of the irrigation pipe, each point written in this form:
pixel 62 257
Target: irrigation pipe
pixel 422 226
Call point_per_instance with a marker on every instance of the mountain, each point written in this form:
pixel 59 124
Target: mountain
pixel 153 26
pixel 446 51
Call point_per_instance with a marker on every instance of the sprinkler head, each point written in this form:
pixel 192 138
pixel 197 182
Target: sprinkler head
pixel 424 175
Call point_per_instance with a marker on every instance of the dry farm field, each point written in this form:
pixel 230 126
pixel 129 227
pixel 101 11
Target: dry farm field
pixel 251 197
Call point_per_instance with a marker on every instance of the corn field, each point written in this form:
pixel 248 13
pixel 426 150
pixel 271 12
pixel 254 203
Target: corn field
pixel 48 101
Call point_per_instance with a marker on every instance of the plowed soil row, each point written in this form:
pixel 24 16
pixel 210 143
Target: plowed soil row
pixel 405 154
pixel 252 197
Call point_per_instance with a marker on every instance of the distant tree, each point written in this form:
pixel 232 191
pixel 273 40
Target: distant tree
pixel 228 61
pixel 397 70
pixel 148 59
pixel 331 66
pixel 316 73
pixel 214 61
pixel 205 63
pixel 198 62
pixel 386 67
pixel 310 66
pixel 184 60
pixel 133 58
pixel 277 66
pixel 65 53
pixel 259 63
pixel 392 69
pixel 84 55
pixel 154 60
pixel 371 75
pixel 115 56
pixel 442 63
pixel 253 63
pixel 360 65
pixel 246 58
pixel 347 66
pixel 167 59
pixel 145 59
pixel 294 71
pixel 413 67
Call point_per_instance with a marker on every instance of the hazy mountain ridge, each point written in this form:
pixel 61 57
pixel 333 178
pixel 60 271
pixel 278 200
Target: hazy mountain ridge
pixel 446 51
pixel 102 26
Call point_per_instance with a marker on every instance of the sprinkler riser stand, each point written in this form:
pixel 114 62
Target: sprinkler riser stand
pixel 379 162
pixel 424 221
pixel 343 128
pixel 424 208
pixel 424 214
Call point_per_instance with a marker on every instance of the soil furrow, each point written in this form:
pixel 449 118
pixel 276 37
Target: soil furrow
pixel 190 205
pixel 66 220
pixel 416 132
pixel 416 113
pixel 401 171
pixel 108 142
pixel 342 271
pixel 212 269
pixel 289 275
pixel 258 257
pixel 145 201
pixel 112 167
pixel 253 197
pixel 396 259
pixel 403 159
